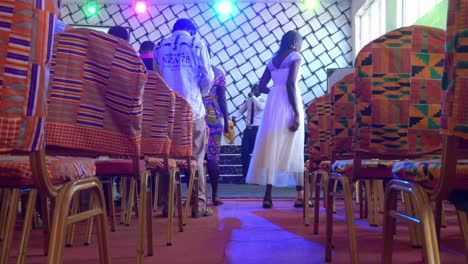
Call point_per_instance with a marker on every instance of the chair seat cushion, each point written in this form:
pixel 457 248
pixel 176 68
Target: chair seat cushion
pixel 16 170
pixel 117 167
pixel 370 168
pixel 157 164
pixel 325 165
pixel 315 165
pixel 311 165
pixel 427 172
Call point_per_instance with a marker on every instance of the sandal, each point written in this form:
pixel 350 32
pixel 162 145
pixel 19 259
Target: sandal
pixel 298 203
pixel 217 201
pixel 267 203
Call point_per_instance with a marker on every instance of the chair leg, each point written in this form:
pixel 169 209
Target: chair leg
pixel 123 199
pixel 442 216
pixel 324 182
pixel 335 185
pixel 306 209
pixel 189 195
pixel 110 196
pixel 316 182
pixel 89 221
pixel 463 222
pixel 415 236
pixel 61 218
pixel 390 205
pixel 10 225
pixel 180 214
pixel 102 228
pixel 45 216
pixel 71 227
pixel 3 212
pixel 425 213
pixel 380 194
pixel 371 197
pixel 149 218
pixel 142 217
pixel 28 218
pixel 130 201
pixel 362 199
pixel 356 194
pixel 348 199
pixel 170 209
pixel 329 219
pixel 206 181
pixel 156 191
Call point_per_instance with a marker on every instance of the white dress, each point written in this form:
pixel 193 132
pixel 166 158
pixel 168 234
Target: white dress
pixel 278 156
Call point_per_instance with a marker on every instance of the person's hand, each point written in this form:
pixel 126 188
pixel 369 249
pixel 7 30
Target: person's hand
pixel 250 94
pixel 295 124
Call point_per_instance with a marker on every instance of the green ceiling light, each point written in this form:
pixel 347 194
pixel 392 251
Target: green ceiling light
pixel 91 9
pixel 310 4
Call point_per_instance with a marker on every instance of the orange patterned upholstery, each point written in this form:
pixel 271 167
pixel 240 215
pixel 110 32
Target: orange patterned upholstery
pixel 26 38
pixel 25 42
pixel 95 94
pixel 343 166
pixel 343 113
pixel 398 92
pixel 183 125
pixel 16 170
pixel 319 133
pixel 158 116
pixel 454 119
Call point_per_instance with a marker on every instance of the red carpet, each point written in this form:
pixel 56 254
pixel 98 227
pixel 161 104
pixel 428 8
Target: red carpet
pixel 243 232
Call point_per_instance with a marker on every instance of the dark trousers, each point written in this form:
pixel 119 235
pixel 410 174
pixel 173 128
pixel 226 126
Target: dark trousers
pixel 248 143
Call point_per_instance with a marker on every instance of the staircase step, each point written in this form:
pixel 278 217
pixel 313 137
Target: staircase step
pixel 230 169
pixel 230 159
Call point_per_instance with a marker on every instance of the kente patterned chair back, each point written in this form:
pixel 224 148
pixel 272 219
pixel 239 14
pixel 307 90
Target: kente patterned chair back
pixel 158 116
pixel 318 130
pixel 454 121
pixel 96 94
pixel 26 47
pixel 183 125
pixel 398 93
pixel 342 97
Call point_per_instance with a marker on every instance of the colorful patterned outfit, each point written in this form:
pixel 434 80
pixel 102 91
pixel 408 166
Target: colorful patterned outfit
pixel 214 117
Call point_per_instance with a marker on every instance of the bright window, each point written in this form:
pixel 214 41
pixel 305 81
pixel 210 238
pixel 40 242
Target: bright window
pixel 409 11
pixel 370 22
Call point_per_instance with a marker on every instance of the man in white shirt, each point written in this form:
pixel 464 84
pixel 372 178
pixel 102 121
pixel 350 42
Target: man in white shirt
pixel 254 106
pixel 184 63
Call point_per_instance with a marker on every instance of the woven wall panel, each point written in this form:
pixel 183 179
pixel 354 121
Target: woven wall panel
pixel 242 44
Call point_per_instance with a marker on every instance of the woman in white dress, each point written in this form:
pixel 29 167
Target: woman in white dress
pixel 278 156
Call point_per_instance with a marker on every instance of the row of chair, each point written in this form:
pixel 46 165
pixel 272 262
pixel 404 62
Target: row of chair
pixel 96 100
pixel 382 123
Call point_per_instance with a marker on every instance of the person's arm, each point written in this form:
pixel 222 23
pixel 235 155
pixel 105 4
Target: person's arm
pixel 291 90
pixel 239 112
pixel 266 77
pixel 221 92
pixel 204 67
